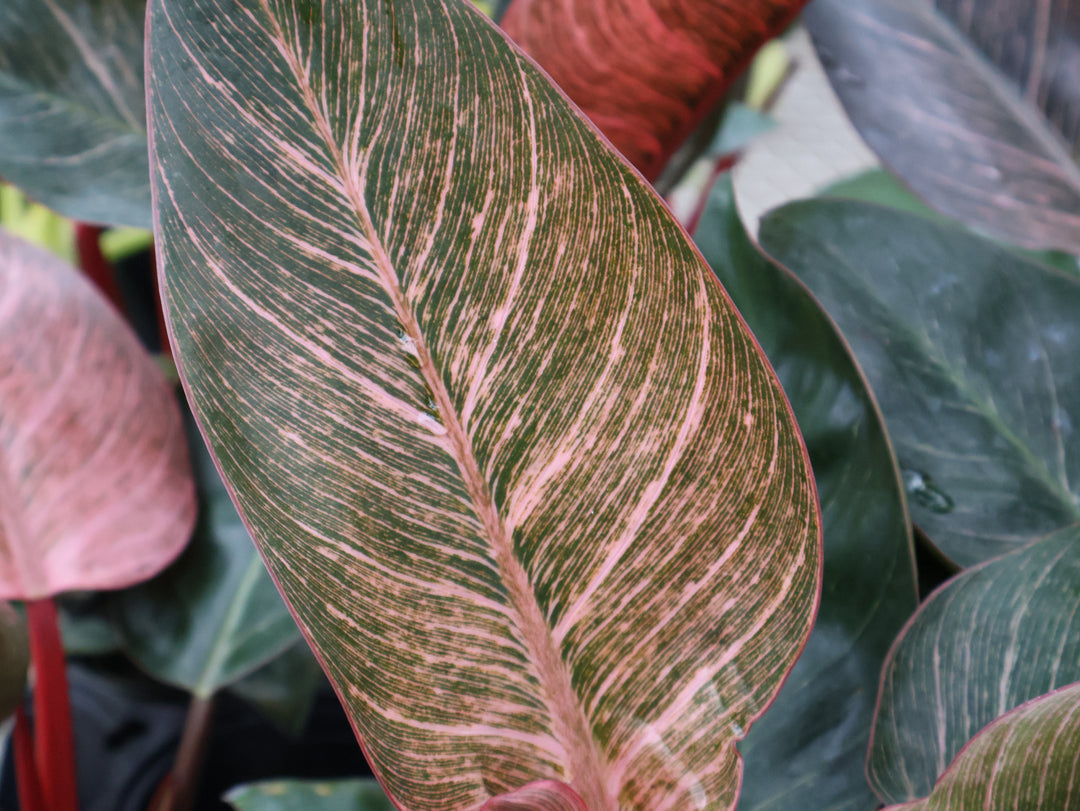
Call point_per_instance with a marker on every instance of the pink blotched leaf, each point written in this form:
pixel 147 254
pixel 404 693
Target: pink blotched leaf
pixel 646 71
pixel 95 486
pixel 519 468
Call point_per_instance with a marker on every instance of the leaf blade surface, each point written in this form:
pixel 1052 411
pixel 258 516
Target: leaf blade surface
pixel 811 743
pixel 989 640
pixel 72 114
pixel 95 483
pixel 992 145
pixel 646 72
pixel 1025 759
pixel 475 536
pixel 969 350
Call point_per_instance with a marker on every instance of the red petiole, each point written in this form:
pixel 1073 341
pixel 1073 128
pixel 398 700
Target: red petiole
pixel 53 740
pixel 723 164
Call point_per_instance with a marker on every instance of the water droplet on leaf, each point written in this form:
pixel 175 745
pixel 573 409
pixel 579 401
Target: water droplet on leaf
pixel 922 490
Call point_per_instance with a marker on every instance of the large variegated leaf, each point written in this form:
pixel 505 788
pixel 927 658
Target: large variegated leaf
pixel 971 352
pixel 646 71
pixel 1028 759
pixel 14 660
pixel 993 145
pixel 986 642
pixel 811 744
pixel 72 115
pixel 517 465
pixel 95 485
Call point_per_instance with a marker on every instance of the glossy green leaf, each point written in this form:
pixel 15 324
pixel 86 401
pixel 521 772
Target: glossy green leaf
pixel 646 72
pixel 14 659
pixel 285 688
pixel 974 103
pixel 985 642
pixel 534 495
pixel 1028 759
pixel 809 749
pixel 95 484
pixel 85 626
pixel 301 795
pixel 72 116
pixel 882 187
pixel 215 615
pixel 971 353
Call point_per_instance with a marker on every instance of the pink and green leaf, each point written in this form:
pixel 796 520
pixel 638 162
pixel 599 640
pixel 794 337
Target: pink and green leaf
pixel 95 484
pixel 1027 759
pixel 543 795
pixel 523 475
pixel 987 641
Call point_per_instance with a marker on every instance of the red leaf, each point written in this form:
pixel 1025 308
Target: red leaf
pixel 646 71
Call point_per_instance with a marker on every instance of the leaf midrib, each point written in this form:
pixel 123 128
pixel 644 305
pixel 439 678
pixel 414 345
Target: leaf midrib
pixel 584 762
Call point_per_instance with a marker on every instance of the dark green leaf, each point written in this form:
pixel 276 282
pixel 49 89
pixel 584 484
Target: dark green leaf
pixel 298 795
pixel 808 751
pixel 1028 759
pixel 72 115
pixel 284 689
pixel 971 353
pixel 986 642
pixel 214 616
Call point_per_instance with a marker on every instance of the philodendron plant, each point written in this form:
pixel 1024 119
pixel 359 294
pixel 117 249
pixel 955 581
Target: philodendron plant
pixel 533 494
pixel 564 528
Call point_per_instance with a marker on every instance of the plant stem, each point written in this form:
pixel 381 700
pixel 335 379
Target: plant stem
pixel 26 777
pixel 95 265
pixel 54 743
pixel 177 792
pixel 723 164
